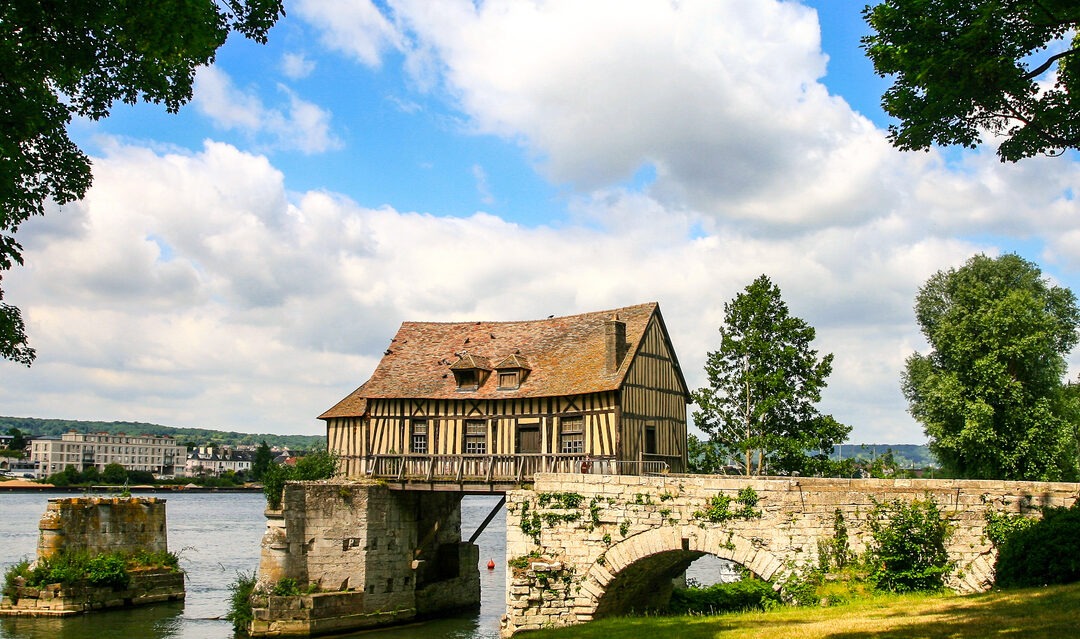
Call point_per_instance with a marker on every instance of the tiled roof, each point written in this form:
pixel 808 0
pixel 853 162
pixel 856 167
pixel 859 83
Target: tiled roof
pixel 566 356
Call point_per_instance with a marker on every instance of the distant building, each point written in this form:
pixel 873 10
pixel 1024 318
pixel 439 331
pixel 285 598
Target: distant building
pixel 213 461
pixel 158 454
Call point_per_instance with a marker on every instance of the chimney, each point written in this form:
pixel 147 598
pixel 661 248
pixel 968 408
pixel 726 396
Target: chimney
pixel 614 343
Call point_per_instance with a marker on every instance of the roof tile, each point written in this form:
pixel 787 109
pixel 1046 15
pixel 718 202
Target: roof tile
pixel 566 356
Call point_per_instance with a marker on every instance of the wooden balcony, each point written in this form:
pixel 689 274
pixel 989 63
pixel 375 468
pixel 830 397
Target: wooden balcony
pixel 489 473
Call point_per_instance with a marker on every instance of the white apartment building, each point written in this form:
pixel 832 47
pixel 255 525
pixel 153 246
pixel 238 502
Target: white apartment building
pixel 159 454
pixel 212 461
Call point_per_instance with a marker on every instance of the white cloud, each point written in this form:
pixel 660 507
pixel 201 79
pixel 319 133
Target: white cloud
pixel 263 310
pixel 296 66
pixel 353 27
pixel 300 125
pixel 722 98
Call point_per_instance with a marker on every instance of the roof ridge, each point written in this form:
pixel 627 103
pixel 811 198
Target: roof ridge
pixel 529 321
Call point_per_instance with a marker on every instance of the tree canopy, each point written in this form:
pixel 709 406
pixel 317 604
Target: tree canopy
pixel 962 69
pixel 61 59
pixel 764 382
pixel 989 394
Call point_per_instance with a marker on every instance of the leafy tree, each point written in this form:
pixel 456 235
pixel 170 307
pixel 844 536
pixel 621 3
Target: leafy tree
pixel 114 474
pixel 965 68
pixel 77 59
pixel 90 475
pixel 764 382
pixel 18 439
pixel 320 464
pixel 989 393
pixel 261 461
pixel 705 457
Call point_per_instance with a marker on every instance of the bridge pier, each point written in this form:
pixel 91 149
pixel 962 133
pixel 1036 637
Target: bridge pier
pixel 361 555
pixel 581 547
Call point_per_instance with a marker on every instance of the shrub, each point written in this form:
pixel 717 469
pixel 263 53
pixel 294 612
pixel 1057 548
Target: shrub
pixel 108 571
pixel 745 594
pixel 287 587
pixel 908 551
pixel 19 570
pixel 317 465
pixel 240 590
pixel 1045 552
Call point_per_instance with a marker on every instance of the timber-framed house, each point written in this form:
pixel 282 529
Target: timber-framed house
pixel 491 403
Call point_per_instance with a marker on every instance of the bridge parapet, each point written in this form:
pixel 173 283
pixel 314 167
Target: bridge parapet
pixel 581 547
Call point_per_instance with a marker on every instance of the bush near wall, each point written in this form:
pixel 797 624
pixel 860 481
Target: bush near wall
pixel 1046 552
pixel 736 596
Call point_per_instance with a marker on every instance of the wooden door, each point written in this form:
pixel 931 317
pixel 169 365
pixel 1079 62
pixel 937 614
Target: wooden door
pixel 528 440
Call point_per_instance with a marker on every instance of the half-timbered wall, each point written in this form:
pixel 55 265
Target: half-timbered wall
pixel 654 404
pixel 388 427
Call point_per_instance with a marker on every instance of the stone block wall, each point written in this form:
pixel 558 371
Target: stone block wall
pixel 580 547
pixel 103 524
pixel 374 556
pixel 57 600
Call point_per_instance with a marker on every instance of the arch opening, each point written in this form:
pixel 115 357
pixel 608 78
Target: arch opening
pixel 647 584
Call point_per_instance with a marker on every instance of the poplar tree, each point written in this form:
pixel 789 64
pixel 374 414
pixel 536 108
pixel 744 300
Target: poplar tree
pixel 764 383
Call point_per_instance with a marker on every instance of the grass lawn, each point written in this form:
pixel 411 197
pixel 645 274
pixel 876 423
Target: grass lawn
pixel 1033 613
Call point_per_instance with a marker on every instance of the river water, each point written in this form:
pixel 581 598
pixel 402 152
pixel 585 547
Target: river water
pixel 217 535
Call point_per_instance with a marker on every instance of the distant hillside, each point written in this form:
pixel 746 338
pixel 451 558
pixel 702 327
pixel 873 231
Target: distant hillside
pixel 35 427
pixel 906 455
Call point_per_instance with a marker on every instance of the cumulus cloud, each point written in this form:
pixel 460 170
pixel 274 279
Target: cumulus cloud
pixel 296 66
pixel 196 280
pixel 300 125
pixel 723 99
pixel 354 27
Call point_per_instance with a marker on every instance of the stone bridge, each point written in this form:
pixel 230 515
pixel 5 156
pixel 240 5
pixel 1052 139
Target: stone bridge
pixel 581 547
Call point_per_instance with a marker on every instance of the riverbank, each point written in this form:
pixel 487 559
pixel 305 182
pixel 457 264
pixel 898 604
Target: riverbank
pixel 1032 613
pixel 27 486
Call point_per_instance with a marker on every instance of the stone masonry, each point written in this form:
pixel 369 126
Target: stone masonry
pixel 362 555
pixel 583 547
pixel 103 524
pixel 98 525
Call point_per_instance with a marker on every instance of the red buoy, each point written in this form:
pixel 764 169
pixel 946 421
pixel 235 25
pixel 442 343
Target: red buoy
pixel 491 564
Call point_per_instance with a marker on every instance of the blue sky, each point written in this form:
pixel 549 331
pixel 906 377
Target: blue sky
pixel 242 264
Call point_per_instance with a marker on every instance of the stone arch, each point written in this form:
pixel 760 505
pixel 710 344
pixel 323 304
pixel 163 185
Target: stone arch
pixel 636 573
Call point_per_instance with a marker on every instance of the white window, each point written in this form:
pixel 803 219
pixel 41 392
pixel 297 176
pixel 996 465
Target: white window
pixel 475 437
pixel 419 442
pixel 572 434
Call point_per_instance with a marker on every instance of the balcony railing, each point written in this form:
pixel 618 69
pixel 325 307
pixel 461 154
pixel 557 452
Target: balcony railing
pixel 496 469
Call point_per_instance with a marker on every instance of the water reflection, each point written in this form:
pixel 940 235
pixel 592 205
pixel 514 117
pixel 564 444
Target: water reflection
pixel 162 621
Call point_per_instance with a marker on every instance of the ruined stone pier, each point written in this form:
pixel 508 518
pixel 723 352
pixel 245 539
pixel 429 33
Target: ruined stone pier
pixel 361 555
pixel 97 526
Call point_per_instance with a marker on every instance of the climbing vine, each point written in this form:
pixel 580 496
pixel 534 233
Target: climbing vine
pixel 718 508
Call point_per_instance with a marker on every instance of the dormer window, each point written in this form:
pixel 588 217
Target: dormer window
pixel 467 379
pixel 508 380
pixel 512 372
pixel 470 372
